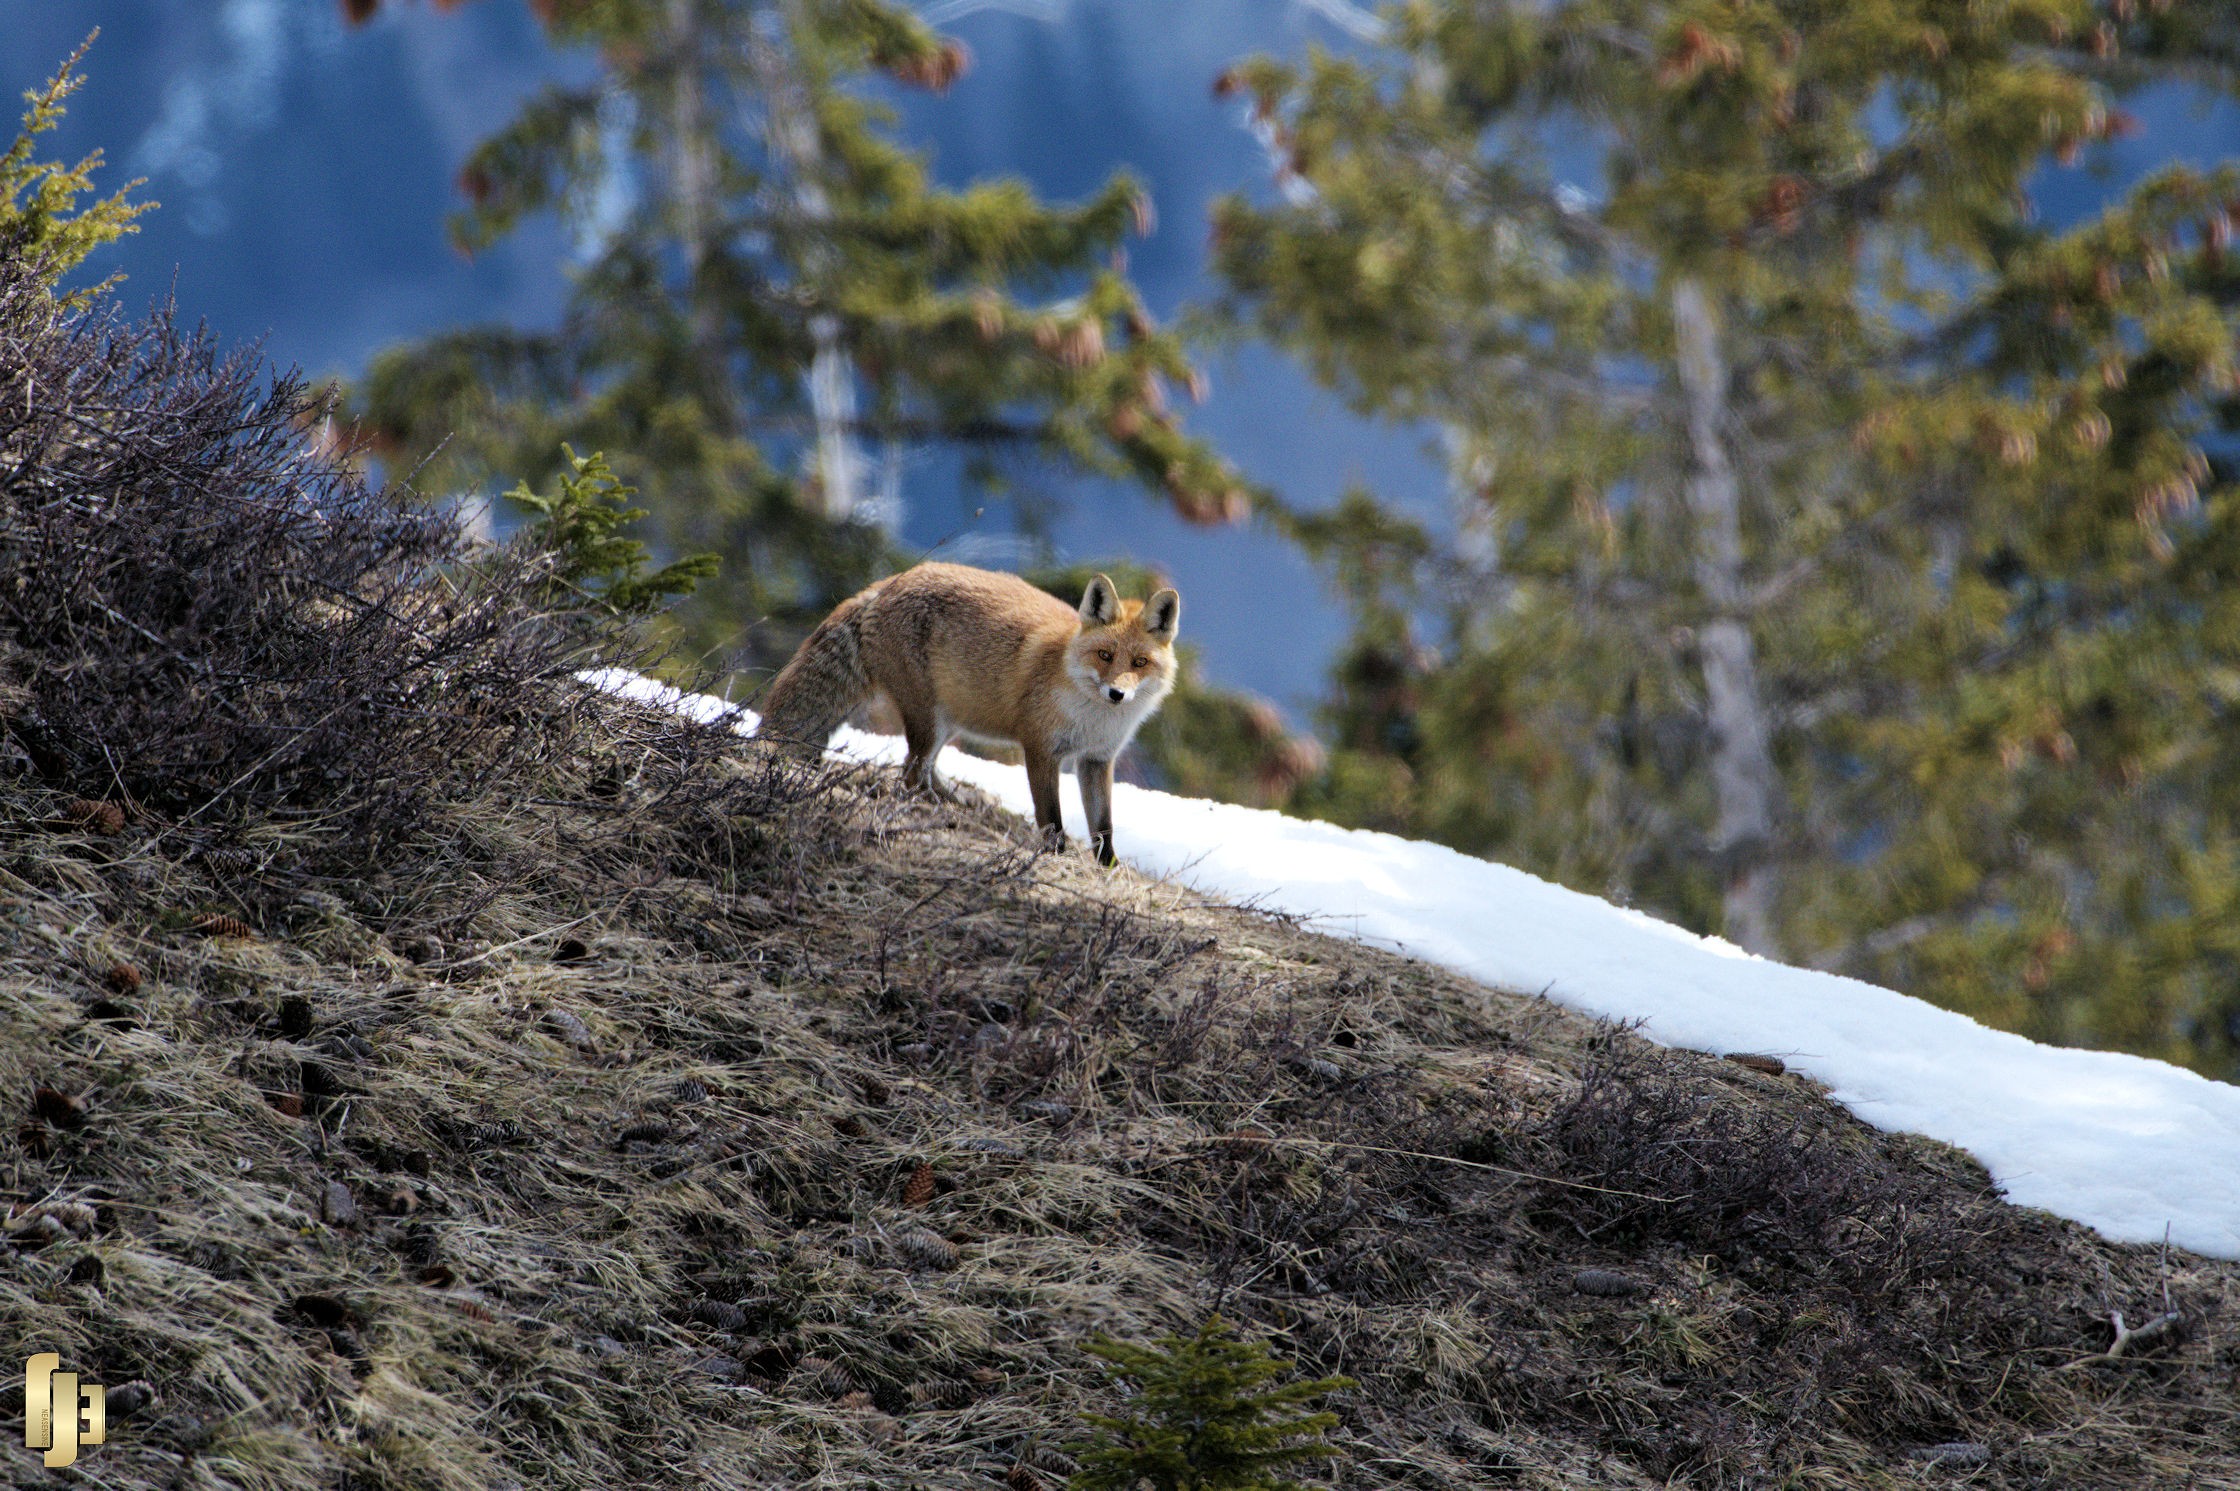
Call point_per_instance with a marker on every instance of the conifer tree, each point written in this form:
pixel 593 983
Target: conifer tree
pixel 1839 559
pixel 777 305
pixel 1211 1412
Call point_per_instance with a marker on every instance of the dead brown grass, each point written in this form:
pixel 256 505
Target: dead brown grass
pixel 626 1134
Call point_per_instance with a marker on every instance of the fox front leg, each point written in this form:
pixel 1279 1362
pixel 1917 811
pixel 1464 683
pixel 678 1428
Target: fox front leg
pixel 1042 786
pixel 1096 806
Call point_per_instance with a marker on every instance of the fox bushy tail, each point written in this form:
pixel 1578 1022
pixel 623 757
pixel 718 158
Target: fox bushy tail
pixel 822 685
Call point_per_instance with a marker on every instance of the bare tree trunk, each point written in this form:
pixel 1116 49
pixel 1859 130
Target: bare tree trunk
pixel 692 174
pixel 1469 474
pixel 832 387
pixel 1741 752
pixel 832 398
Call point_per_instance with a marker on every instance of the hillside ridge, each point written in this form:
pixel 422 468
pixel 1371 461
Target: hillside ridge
pixel 2138 1149
pixel 816 1167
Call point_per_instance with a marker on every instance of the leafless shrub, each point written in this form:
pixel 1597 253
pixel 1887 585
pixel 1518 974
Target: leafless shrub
pixel 216 620
pixel 1655 1157
pixel 1667 1162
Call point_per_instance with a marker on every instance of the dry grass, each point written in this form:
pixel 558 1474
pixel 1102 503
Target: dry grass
pixel 801 1145
pixel 453 1079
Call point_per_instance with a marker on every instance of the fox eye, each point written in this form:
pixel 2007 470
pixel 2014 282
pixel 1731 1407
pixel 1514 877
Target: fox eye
pixel 1104 654
pixel 1143 662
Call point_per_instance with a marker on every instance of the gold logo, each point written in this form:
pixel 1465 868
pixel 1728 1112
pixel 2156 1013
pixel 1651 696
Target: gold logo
pixel 60 1413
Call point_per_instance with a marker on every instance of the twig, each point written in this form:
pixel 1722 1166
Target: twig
pixel 2129 1340
pixel 2146 1335
pixel 1446 1159
pixel 2166 1268
pixel 517 942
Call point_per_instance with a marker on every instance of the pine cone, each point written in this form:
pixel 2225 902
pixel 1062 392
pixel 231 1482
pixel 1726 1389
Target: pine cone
pixel 941 1392
pixel 101 817
pixel 822 1377
pixel 923 1249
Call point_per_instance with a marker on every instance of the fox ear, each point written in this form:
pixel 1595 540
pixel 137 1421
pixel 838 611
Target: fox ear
pixel 1162 614
pixel 1100 603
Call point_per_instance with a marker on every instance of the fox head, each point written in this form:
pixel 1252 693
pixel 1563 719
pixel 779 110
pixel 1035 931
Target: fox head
pixel 1125 653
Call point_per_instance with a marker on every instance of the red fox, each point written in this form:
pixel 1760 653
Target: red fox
pixel 963 651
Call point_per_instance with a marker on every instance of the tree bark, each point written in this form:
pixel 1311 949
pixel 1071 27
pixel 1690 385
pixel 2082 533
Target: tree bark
pixel 1741 748
pixel 793 142
pixel 692 176
pixel 1477 544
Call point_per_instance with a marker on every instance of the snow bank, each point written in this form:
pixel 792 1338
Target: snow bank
pixel 2123 1144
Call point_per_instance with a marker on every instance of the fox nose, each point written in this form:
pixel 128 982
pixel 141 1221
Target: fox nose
pixel 1115 693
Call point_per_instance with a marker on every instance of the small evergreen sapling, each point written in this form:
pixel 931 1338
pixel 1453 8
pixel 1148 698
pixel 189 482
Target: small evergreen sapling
pixel 1210 1413
pixel 39 215
pixel 592 560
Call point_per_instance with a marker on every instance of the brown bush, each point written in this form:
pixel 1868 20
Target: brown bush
pixel 208 612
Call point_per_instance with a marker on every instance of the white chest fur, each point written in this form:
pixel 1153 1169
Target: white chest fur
pixel 1097 729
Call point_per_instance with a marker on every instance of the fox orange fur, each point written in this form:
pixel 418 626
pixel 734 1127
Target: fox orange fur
pixel 963 651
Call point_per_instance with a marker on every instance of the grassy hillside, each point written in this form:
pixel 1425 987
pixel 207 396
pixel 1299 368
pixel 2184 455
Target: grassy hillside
pixel 428 1074
pixel 815 1168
